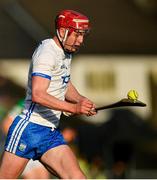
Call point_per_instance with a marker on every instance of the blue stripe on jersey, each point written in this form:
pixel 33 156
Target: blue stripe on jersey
pixel 41 75
pixel 21 125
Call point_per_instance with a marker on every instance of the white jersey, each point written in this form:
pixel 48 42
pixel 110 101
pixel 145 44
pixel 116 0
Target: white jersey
pixel 48 61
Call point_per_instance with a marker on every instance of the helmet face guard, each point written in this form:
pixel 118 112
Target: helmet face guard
pixel 71 21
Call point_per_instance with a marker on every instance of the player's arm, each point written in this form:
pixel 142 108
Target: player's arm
pixel 40 95
pixel 72 95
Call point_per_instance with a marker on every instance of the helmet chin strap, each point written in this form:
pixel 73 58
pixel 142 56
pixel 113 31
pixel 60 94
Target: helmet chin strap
pixel 63 41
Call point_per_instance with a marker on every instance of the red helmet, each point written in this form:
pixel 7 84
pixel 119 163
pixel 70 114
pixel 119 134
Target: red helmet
pixel 73 21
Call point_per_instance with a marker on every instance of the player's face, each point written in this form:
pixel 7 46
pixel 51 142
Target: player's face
pixel 74 41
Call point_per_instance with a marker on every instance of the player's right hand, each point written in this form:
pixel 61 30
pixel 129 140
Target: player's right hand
pixel 86 107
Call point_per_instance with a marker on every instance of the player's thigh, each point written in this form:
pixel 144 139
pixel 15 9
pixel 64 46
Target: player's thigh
pixel 12 165
pixel 62 160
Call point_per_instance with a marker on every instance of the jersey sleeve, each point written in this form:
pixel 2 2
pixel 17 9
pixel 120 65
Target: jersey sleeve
pixel 43 62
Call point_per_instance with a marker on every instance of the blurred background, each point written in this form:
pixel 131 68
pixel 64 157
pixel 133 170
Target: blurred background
pixel 119 54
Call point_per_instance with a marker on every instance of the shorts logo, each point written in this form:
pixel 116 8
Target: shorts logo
pixel 22 147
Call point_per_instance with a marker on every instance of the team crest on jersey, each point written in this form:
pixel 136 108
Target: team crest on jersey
pixel 22 147
pixel 66 79
pixel 63 66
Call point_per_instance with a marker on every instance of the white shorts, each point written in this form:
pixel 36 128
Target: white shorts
pixel 31 165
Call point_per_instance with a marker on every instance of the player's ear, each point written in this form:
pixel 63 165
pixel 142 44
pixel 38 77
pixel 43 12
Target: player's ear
pixel 62 32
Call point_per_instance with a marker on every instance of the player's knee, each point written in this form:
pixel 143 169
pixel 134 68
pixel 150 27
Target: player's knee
pixel 74 175
pixel 79 175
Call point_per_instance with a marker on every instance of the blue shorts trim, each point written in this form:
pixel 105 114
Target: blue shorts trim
pixel 30 140
pixel 16 131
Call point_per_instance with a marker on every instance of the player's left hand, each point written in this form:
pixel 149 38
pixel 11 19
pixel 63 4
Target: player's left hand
pixel 92 110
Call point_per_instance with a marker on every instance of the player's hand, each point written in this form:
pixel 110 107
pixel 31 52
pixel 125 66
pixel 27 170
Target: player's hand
pixel 86 107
